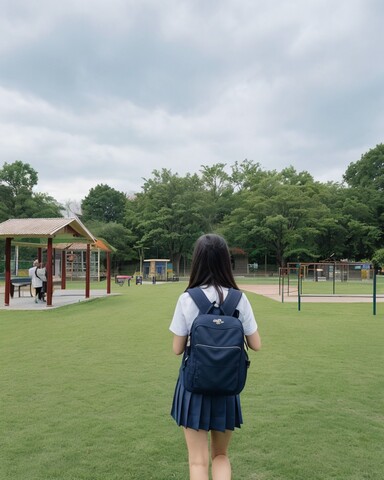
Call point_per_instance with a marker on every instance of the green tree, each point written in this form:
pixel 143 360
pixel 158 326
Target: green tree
pixel 38 205
pixel 366 177
pixel 6 203
pixel 169 215
pixel 352 229
pixel 356 213
pixel 119 237
pixel 105 204
pixel 368 172
pixel 278 217
pixel 218 189
pixel 247 175
pixel 215 180
pixel 378 258
pixel 17 197
pixel 289 176
pixel 333 228
pixel 18 176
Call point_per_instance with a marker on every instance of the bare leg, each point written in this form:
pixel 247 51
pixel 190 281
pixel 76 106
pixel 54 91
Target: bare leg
pixel 198 453
pixel 221 466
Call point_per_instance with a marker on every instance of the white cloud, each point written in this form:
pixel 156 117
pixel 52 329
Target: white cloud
pixel 105 92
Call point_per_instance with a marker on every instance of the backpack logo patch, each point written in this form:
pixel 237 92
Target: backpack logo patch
pixel 218 321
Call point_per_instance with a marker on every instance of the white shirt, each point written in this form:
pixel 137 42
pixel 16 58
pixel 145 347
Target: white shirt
pixel 36 281
pixel 186 311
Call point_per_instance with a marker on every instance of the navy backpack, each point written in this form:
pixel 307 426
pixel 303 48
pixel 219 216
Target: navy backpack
pixel 215 361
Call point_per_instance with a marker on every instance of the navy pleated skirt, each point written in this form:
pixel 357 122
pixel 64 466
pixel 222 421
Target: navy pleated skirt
pixel 205 412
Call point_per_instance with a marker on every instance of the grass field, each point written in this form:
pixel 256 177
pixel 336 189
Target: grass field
pixel 86 392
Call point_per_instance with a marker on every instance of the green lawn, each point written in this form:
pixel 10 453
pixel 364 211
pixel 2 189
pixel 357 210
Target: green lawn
pixel 86 392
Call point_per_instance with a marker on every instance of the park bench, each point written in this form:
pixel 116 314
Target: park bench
pixel 120 279
pixel 19 282
pixel 174 278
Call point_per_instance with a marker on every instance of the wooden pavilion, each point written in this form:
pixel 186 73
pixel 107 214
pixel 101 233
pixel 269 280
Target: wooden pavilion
pixel 46 233
pixel 73 261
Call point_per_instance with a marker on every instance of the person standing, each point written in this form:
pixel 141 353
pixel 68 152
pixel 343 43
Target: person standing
pixel 199 414
pixel 37 283
pixel 41 273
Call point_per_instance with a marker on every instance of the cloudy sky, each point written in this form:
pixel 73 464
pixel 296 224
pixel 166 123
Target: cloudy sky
pixel 106 91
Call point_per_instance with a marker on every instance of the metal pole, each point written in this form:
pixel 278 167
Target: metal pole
pixel 298 288
pixel 282 290
pixel 288 281
pixel 374 291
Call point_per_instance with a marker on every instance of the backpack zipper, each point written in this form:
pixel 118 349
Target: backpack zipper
pixel 212 346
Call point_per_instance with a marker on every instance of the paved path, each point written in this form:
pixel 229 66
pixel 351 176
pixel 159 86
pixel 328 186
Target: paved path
pixel 59 299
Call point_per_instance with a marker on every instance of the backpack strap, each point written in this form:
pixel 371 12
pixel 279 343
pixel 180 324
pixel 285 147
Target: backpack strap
pixel 228 307
pixel 37 274
pixel 231 302
pixel 201 300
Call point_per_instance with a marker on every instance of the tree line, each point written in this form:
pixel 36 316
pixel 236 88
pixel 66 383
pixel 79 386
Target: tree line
pixel 285 215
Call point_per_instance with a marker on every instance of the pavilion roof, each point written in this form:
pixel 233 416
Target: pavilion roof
pixel 76 246
pixel 36 231
pixel 237 251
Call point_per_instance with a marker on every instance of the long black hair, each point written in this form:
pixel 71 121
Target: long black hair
pixel 211 264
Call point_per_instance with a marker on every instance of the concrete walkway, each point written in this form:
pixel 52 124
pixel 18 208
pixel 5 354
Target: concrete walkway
pixel 60 298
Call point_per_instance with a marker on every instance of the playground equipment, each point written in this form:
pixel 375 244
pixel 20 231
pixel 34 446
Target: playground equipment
pixel 322 279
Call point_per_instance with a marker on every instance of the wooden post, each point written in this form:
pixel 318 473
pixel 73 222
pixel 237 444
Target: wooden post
pixel 108 272
pixel 63 269
pixel 88 271
pixel 49 273
pixel 7 271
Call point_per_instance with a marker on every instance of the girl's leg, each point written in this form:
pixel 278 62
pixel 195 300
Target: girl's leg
pixel 221 466
pixel 198 453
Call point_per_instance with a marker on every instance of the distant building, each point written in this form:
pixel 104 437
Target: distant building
pixel 158 268
pixel 239 261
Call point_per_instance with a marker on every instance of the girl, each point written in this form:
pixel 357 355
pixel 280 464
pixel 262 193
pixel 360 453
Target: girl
pixel 199 414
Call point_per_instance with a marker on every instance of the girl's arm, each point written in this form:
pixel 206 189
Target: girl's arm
pixel 179 344
pixel 254 341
